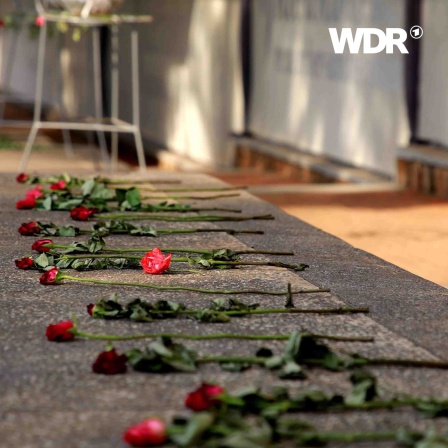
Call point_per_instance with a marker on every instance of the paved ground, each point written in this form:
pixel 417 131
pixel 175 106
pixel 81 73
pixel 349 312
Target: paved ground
pixel 50 398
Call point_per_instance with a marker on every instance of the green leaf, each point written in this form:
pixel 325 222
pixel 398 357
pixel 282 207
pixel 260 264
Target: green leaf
pixel 43 261
pixel 68 231
pixel 88 186
pixel 95 244
pixel 364 388
pixel 292 371
pixel 47 203
pixel 197 425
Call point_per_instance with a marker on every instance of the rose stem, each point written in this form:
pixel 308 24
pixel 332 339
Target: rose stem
pixel 175 249
pixel 341 310
pixel 185 231
pixel 186 288
pixel 249 337
pixel 195 198
pixel 178 190
pixel 106 180
pixel 362 361
pixel 199 218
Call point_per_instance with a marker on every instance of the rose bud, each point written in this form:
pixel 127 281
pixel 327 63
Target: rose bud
pixel 39 246
pixel 58 185
pixel 110 363
pixel 59 332
pixel 82 213
pixel 50 277
pixel 151 432
pixel 155 262
pixel 36 192
pixel 204 397
pixel 29 229
pixel 24 263
pixel 90 308
pixel 26 204
pixel 22 178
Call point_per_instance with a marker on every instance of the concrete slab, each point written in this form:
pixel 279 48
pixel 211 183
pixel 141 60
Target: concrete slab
pixel 50 398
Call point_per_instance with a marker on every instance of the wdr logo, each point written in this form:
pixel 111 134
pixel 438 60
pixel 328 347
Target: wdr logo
pixel 393 37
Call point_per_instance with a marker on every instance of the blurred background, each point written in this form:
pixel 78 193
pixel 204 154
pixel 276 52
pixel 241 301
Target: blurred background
pixel 252 92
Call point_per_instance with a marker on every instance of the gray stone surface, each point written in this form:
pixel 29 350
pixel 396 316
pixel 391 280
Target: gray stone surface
pixel 50 398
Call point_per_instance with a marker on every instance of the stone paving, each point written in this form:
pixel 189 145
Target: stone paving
pixel 49 396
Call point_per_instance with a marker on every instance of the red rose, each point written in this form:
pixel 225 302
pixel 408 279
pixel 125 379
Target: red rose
pixel 58 185
pixel 2 23
pixel 155 262
pixel 39 246
pixel 29 229
pixel 90 308
pixel 35 193
pixel 151 432
pixel 40 21
pixel 26 204
pixel 24 263
pixel 22 178
pixel 204 397
pixel 59 332
pixel 50 277
pixel 110 363
pixel 82 213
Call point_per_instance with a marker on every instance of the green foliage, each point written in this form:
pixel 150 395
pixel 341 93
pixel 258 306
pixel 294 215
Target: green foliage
pixel 162 356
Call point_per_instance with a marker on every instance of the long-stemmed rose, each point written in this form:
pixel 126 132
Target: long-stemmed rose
pixel 205 337
pixel 56 277
pixel 118 261
pixel 104 228
pixel 221 252
pixel 219 310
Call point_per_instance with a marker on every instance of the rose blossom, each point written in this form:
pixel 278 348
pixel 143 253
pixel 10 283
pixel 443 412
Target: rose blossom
pixel 36 192
pixel 39 246
pixel 24 263
pixel 90 309
pixel 204 397
pixel 110 363
pixel 59 332
pixel 50 277
pixel 82 213
pixel 155 262
pixel 22 178
pixel 26 204
pixel 151 432
pixel 29 229
pixel 58 185
pixel 40 21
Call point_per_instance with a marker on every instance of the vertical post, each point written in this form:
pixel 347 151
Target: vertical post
pixel 62 112
pixel 97 87
pixel 136 102
pixel 115 93
pixel 38 97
